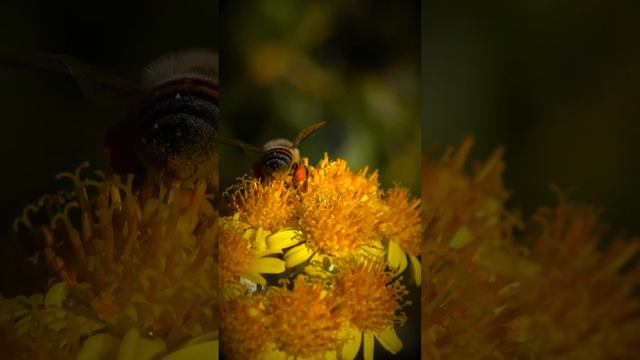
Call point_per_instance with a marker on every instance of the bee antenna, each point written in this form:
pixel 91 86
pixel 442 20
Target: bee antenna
pixel 306 132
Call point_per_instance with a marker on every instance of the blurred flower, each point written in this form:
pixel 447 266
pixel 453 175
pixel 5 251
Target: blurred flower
pixel 137 270
pixel 370 300
pixel 543 291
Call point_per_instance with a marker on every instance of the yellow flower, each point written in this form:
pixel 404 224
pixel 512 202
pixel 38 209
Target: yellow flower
pixel 337 213
pixel 312 228
pixel 243 327
pixel 370 300
pixel 402 225
pixel 263 204
pixel 303 322
pixel 128 259
pixel 244 254
pixel 340 210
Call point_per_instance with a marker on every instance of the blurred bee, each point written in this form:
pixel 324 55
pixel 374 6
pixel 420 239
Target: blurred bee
pixel 279 158
pixel 170 131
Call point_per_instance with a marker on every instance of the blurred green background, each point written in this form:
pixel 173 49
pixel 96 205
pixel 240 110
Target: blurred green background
pixel 555 82
pixel 47 126
pixel 353 64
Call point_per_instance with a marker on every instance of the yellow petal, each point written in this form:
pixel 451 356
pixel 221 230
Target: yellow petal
pixel 274 355
pixel 396 258
pixel 390 340
pixel 268 265
pixel 261 236
pixel 267 252
pixel 255 277
pixel 462 237
pixel 417 269
pixel 97 346
pixel 331 355
pixel 127 350
pixel 56 295
pixel 352 346
pixel 297 255
pixel 207 350
pixel 368 346
pixel 148 349
pixel 284 239
pixel 375 250
pixel 248 233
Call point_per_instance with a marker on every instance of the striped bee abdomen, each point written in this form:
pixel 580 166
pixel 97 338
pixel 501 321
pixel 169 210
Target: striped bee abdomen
pixel 276 162
pixel 177 132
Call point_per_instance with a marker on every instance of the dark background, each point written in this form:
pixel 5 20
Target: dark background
pixel 354 64
pixel 555 82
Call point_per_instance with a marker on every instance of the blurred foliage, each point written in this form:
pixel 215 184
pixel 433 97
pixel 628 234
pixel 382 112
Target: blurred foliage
pixel 555 82
pixel 353 64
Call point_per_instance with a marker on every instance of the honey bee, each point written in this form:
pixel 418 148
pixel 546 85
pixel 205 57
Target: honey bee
pixel 170 131
pixel 279 158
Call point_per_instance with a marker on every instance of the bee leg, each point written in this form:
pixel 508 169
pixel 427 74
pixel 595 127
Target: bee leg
pixel 300 176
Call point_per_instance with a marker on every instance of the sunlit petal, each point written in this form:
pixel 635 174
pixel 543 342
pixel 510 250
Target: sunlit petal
pixel 267 252
pixel 284 239
pixel 388 338
pixel 255 277
pixel 352 346
pixel 268 265
pixel 417 269
pixel 297 255
pixel 396 258
pixel 368 345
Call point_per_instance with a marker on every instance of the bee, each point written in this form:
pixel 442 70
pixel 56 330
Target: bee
pixel 170 130
pixel 280 158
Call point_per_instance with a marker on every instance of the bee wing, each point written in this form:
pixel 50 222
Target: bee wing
pixel 247 148
pixel 96 84
pixel 306 132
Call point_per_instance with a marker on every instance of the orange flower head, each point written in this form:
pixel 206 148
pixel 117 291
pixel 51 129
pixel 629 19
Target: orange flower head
pixel 304 321
pixel 369 297
pixel 402 222
pixel 243 327
pixel 266 204
pixel 340 211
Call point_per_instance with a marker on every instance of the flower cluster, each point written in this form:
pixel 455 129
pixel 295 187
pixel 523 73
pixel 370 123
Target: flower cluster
pixel 498 286
pixel 314 271
pixel 134 275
